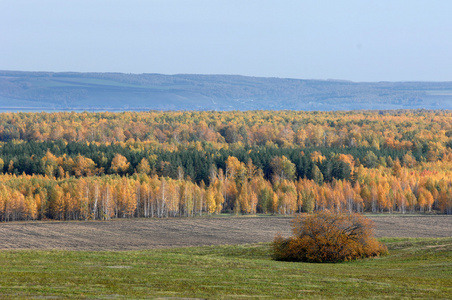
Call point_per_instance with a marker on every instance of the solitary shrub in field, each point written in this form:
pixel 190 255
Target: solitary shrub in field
pixel 328 237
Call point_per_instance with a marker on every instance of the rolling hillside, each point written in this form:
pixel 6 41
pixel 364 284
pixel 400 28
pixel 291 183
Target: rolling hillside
pixel 46 91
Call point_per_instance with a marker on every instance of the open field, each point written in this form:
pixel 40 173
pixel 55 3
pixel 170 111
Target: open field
pixel 141 234
pixel 414 269
pixel 36 262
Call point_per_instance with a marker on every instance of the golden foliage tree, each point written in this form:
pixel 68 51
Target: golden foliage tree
pixel 119 164
pixel 328 237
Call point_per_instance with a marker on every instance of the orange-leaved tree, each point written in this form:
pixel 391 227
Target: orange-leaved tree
pixel 328 237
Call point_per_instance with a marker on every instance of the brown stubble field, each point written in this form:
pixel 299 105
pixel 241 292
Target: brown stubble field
pixel 140 234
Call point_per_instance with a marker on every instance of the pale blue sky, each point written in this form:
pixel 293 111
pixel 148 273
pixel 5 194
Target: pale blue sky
pixel 385 40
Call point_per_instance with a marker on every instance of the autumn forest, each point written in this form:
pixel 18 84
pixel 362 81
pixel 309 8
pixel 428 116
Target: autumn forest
pixel 79 166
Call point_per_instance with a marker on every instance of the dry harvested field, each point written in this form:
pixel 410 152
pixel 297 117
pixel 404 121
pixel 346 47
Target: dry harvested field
pixel 137 234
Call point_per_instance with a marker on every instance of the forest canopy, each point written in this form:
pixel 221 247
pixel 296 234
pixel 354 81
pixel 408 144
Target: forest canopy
pixel 186 163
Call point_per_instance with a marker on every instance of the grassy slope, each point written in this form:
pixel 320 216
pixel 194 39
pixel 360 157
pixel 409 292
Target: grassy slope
pixel 415 268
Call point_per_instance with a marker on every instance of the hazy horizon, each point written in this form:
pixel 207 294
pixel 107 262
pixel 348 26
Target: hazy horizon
pixel 232 75
pixel 352 40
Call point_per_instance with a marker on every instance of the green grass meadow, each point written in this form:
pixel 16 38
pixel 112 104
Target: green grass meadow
pixel 415 268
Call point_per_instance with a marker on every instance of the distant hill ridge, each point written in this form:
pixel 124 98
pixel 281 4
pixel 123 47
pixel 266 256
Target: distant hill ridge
pixel 71 91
